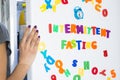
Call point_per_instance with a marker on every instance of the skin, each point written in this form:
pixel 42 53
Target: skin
pixel 28 50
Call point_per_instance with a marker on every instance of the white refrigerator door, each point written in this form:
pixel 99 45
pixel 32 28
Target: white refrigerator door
pixel 79 39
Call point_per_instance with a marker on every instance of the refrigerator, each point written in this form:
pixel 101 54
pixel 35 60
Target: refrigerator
pixel 79 39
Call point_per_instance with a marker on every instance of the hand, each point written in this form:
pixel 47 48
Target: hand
pixel 28 46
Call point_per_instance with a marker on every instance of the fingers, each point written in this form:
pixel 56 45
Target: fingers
pixel 26 33
pixel 31 39
pixel 34 38
pixel 31 36
pixel 37 43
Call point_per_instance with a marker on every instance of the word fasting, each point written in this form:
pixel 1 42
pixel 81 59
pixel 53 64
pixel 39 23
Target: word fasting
pixel 78 44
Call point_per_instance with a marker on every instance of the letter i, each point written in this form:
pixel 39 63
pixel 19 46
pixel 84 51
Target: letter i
pixel 50 28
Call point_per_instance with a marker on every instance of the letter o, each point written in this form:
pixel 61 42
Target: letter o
pixel 105 12
pixel 94 70
pixel 41 46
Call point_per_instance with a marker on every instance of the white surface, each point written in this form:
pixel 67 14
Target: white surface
pixel 13 33
pixel 20 0
pixel 63 15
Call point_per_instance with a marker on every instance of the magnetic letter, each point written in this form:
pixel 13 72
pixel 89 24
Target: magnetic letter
pixel 113 73
pixel 105 53
pixel 103 72
pixel 50 60
pixel 59 65
pixel 44 53
pixel 104 12
pixel 67 73
pixel 99 1
pixel 94 70
pixel 41 46
pixel 81 72
pixel 94 45
pixel 46 67
pixel 48 4
pixel 86 65
pixel 63 44
pixel 50 28
pixel 74 63
pixel 98 7
pixel 108 78
pixel 53 77
pixel 64 1
pixel 77 77
pixel 43 7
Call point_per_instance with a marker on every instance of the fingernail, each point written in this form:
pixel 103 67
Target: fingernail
pixel 35 26
pixel 38 36
pixel 37 31
pixel 29 26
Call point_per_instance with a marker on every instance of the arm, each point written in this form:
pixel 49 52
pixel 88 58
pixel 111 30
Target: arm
pixel 20 70
pixel 3 61
pixel 28 50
